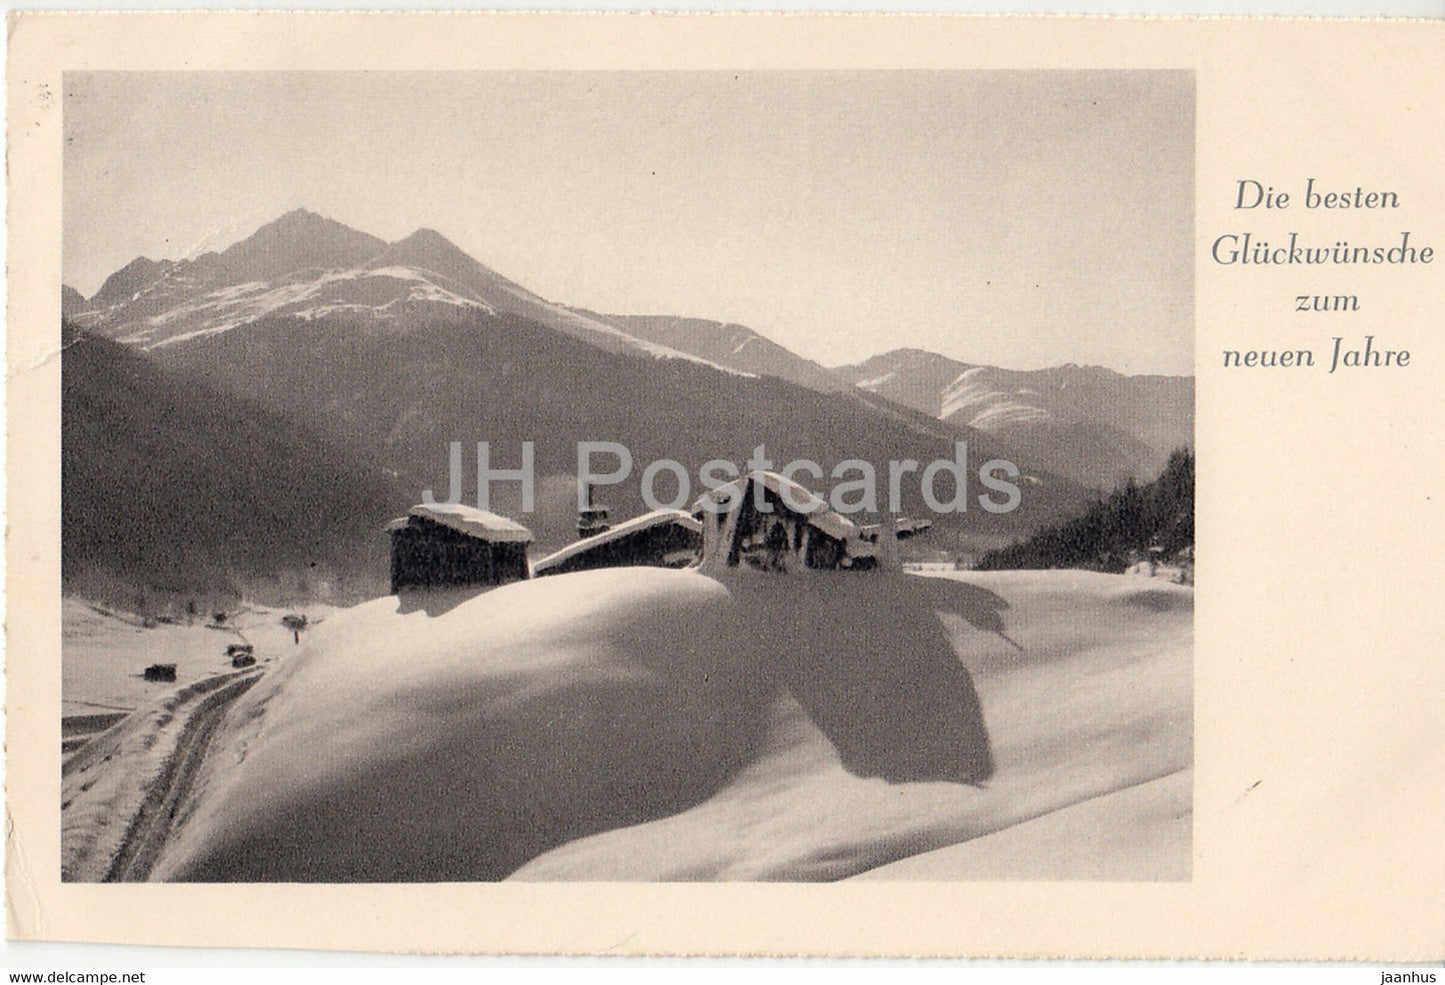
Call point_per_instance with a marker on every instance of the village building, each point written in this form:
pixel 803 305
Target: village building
pixel 903 529
pixel 795 529
pixel 660 539
pixel 451 545
pixel 791 532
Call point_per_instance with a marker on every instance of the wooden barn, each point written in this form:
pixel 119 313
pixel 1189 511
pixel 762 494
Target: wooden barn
pixel 451 545
pixel 661 539
pixel 794 531
pixel 798 532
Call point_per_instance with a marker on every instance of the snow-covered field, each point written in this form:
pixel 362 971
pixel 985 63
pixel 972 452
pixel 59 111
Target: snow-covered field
pixel 651 724
pixel 104 653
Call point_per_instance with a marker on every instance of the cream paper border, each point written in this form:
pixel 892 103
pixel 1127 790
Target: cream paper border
pixel 1320 765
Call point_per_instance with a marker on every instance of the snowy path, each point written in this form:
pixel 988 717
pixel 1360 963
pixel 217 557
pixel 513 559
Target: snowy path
pixel 114 821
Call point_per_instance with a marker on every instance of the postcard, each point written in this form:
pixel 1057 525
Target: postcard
pixel 709 484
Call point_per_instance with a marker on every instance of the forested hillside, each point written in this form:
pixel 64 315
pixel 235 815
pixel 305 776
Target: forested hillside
pixel 1116 530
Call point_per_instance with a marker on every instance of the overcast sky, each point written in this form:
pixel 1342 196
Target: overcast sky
pixel 1020 219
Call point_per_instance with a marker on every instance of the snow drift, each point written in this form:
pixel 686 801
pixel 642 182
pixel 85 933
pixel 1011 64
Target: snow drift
pixel 1091 726
pixel 455 739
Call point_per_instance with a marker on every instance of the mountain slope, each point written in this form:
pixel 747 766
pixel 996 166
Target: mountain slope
pixel 1157 410
pixel 427 249
pixel 296 241
pixel 125 285
pixel 419 345
pixel 140 302
pixel 730 345
pixel 1156 519
pixel 171 489
pixel 71 301
pixel 507 380
pixel 305 264
pixel 913 377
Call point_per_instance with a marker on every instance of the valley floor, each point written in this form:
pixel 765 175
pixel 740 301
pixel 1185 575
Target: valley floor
pixel 104 653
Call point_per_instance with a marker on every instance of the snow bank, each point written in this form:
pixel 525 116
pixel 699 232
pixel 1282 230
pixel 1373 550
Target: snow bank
pixel 1138 834
pixel 1095 698
pixel 458 741
pixel 428 745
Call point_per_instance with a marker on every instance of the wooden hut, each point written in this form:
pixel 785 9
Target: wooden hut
pixel 793 531
pixel 661 539
pixel 451 545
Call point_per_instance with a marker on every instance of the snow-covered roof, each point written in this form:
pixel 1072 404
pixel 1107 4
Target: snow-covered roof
pixel 468 520
pixel 903 528
pixel 645 522
pixel 795 497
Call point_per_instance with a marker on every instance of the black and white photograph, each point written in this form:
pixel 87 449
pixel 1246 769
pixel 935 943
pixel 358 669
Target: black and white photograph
pixel 627 476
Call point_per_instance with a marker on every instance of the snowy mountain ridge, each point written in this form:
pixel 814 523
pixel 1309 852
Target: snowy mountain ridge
pixel 1094 424
pixel 305 266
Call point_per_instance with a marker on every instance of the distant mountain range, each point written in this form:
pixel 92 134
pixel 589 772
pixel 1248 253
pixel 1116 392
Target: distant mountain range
pixel 381 354
pixel 1092 424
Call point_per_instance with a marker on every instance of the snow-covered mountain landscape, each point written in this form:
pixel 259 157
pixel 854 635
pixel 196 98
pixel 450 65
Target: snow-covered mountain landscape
pixel 241 427
pixel 407 346
pixel 389 352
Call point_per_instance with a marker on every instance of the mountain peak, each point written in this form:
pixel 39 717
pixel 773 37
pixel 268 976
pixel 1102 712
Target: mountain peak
pixel 430 250
pixel 909 359
pixel 303 222
pixel 428 247
pixel 71 301
pixel 298 240
pixel 427 236
pixel 129 280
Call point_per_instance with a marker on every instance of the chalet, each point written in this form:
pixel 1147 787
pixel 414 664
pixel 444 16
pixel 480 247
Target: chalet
pixel 797 530
pixel 660 539
pixel 451 545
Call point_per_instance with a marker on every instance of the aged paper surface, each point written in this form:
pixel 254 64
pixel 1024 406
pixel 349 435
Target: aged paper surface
pixel 1306 793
